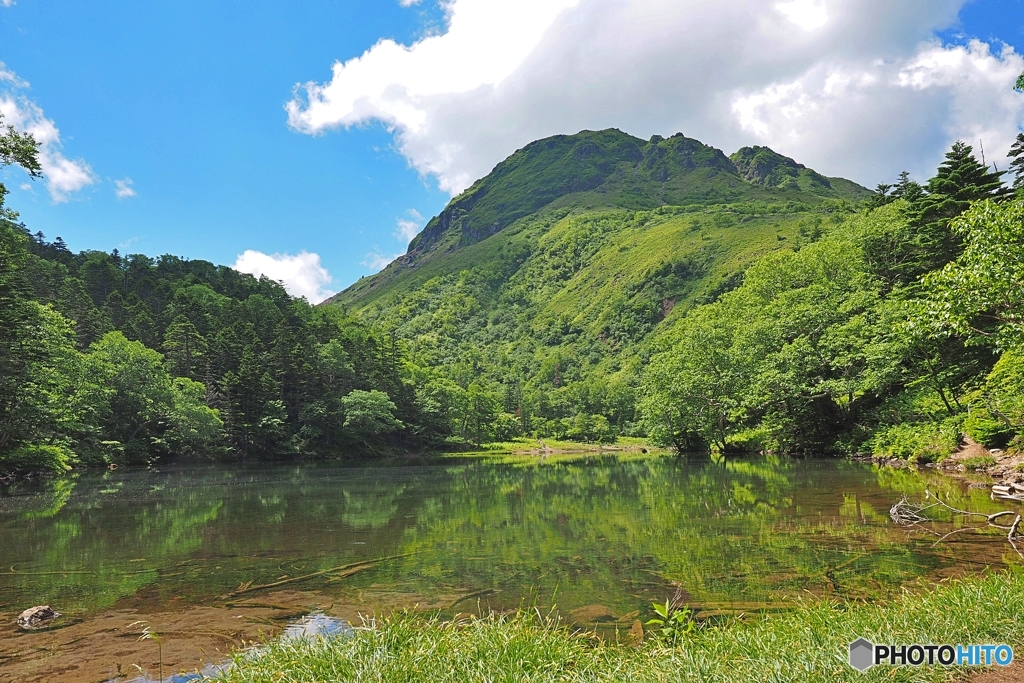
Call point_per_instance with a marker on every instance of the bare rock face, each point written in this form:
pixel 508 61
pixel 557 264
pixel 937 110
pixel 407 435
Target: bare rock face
pixel 37 617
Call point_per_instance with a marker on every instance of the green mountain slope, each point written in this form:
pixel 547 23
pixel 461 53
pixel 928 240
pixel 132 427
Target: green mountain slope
pixel 547 280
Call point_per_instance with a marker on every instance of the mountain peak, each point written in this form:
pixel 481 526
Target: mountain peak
pixel 764 167
pixel 610 169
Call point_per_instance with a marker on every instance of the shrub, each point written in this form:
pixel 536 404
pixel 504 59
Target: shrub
pixel 38 459
pixel 979 462
pixel 927 442
pixel 980 426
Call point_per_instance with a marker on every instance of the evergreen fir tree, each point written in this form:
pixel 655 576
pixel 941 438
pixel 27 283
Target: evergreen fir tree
pixel 1017 165
pixel 184 348
pixel 907 189
pixel 960 180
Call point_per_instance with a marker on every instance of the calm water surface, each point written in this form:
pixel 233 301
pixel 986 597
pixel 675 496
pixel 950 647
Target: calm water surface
pixel 619 532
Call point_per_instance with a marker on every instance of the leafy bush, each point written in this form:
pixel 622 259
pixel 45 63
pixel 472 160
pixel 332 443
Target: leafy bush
pixel 997 408
pixel 979 462
pixel 38 459
pixel 927 442
pixel 507 427
pixel 369 413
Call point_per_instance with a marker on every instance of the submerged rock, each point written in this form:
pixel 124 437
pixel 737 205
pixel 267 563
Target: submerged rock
pixel 592 613
pixel 37 617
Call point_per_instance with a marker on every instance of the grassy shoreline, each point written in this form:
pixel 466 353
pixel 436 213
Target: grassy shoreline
pixel 808 643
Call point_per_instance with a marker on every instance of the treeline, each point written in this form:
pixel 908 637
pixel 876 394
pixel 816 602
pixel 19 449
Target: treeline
pixel 127 359
pixel 899 330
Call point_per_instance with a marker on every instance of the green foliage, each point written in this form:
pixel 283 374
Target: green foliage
pixel 921 442
pixel 960 181
pixel 673 623
pixel 17 149
pixel 196 429
pixel 369 413
pixel 981 294
pixel 611 168
pixel 788 351
pixel 38 458
pixel 978 462
pixel 1017 165
pixel 997 406
pixel 248 371
pixel 549 280
pixel 592 286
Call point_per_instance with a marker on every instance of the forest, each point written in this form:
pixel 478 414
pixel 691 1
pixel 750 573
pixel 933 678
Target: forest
pixel 733 303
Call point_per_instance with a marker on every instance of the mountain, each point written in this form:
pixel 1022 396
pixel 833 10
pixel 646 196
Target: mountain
pixel 608 169
pixel 551 277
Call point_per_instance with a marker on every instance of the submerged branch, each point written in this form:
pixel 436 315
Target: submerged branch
pixel 910 515
pixel 340 572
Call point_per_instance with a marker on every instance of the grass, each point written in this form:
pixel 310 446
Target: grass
pixel 979 462
pixel 808 643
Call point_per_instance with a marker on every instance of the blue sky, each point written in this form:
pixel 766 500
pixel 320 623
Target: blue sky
pixel 187 101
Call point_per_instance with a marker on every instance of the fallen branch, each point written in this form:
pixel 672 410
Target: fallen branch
pixel 477 594
pixel 15 571
pixel 349 569
pixel 908 514
pixel 905 513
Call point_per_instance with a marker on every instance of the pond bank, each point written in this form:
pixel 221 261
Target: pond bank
pixel 808 643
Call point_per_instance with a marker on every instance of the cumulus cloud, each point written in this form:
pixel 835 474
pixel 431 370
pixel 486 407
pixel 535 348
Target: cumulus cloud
pixel 301 275
pixel 123 188
pixel 859 88
pixel 63 176
pixel 7 3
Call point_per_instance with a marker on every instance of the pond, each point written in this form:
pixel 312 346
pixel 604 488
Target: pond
pixel 180 552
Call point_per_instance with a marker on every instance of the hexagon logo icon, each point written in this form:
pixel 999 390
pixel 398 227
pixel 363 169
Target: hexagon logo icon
pixel 862 652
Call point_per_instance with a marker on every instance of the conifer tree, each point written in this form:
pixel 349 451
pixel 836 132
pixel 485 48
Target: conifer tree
pixel 1017 165
pixel 907 189
pixel 960 180
pixel 184 348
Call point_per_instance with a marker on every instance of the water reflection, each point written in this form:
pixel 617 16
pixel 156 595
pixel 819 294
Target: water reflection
pixel 735 534
pixel 317 624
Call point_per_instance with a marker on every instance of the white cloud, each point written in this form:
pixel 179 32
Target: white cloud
pixel 7 3
pixel 850 87
pixel 409 227
pixel 809 15
pixel 403 3
pixel 8 76
pixel 301 275
pixel 123 188
pixel 486 41
pixel 376 262
pixel 63 176
pixel 27 187
pixel 917 106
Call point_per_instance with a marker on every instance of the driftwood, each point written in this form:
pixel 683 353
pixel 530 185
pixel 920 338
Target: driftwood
pixel 1009 492
pixel 339 572
pixel 907 514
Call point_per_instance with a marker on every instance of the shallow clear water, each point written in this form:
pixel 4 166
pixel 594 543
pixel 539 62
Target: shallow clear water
pixel 590 533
